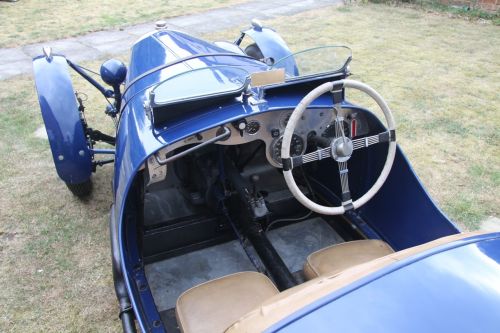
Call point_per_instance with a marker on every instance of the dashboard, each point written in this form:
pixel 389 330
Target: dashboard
pixel 270 127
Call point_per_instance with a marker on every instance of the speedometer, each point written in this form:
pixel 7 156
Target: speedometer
pixel 297 147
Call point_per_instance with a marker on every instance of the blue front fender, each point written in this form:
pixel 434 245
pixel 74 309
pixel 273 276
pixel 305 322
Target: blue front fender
pixel 273 46
pixel 72 157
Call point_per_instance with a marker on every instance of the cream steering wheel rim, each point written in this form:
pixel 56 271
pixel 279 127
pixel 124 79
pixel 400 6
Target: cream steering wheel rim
pixel 292 123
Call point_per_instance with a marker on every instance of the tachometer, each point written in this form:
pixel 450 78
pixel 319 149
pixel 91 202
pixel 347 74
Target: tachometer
pixel 297 147
pixel 284 118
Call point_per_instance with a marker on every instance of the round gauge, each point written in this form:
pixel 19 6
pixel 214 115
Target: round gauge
pixel 297 147
pixel 252 127
pixel 284 118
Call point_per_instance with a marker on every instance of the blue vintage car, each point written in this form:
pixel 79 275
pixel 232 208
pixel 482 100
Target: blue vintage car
pixel 251 195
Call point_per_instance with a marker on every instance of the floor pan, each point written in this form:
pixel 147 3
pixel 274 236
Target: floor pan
pixel 169 278
pixel 296 241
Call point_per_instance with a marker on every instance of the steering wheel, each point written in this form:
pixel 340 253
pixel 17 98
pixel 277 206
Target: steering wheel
pixel 340 149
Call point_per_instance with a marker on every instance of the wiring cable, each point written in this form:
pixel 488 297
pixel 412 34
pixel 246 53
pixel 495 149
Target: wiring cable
pixel 88 70
pixel 296 219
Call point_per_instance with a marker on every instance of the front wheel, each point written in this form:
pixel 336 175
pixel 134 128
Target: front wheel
pixel 81 190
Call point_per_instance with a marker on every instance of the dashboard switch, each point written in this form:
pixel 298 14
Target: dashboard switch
pixel 240 125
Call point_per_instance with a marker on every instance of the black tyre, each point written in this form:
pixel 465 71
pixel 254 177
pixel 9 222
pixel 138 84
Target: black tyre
pixel 254 51
pixel 81 190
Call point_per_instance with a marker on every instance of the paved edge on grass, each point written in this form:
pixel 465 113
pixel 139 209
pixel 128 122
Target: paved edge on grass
pixel 101 44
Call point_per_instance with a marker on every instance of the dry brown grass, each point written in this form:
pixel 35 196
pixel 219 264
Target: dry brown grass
pixel 30 21
pixel 55 268
pixel 54 260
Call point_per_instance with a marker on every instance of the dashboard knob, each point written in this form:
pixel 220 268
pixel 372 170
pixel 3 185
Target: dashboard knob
pixel 240 125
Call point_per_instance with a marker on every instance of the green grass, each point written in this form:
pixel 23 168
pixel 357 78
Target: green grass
pixel 472 12
pixel 443 88
pixel 30 21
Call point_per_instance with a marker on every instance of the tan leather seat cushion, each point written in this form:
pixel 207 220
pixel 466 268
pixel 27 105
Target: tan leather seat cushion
pixel 213 306
pixel 336 258
pixel 294 299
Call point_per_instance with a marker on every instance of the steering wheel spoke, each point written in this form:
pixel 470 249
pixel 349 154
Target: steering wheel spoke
pixel 367 141
pixel 340 149
pixel 344 184
pixel 317 155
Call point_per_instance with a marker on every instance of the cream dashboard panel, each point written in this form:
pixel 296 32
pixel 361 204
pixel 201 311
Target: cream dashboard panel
pixel 271 126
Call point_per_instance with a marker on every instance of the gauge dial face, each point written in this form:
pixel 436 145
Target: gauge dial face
pixel 252 127
pixel 297 147
pixel 284 118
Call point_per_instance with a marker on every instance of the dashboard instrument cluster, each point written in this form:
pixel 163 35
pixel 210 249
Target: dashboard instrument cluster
pixel 270 127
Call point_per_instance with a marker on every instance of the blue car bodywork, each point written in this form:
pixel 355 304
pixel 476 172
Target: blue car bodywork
pixel 430 292
pixel 402 213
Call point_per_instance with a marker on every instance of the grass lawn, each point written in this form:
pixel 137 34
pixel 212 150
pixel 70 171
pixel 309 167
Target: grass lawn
pixel 440 76
pixel 30 21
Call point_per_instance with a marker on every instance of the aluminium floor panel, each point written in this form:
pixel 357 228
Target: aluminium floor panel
pixel 170 277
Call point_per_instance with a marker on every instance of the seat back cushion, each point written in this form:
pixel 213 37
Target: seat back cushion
pixel 213 306
pixel 338 257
